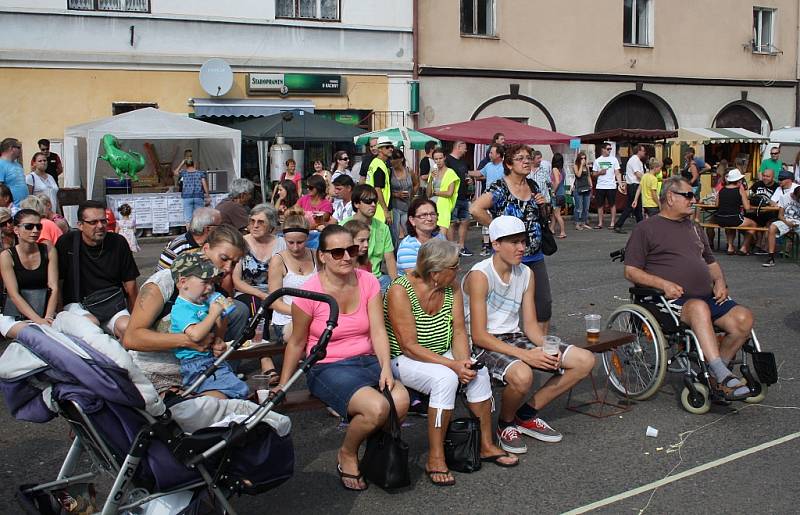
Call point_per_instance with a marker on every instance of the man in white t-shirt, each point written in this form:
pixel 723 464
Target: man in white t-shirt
pixel 496 291
pixel 634 171
pixel 607 176
pixel 786 186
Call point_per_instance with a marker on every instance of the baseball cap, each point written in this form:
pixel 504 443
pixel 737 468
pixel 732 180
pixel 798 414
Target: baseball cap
pixel 383 141
pixel 784 175
pixel 505 225
pixel 192 264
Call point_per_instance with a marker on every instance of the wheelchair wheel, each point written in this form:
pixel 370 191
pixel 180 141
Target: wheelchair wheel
pixel 761 394
pixel 638 368
pixel 696 403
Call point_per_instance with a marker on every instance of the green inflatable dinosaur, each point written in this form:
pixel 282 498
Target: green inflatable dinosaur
pixel 125 164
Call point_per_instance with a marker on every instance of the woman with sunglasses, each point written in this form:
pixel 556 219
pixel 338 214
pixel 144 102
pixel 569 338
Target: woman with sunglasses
pixel 421 226
pixel 50 232
pixel 424 314
pixel 290 268
pixel 316 204
pixel 443 184
pixel 30 265
pixel 404 188
pixel 342 164
pixel 515 195
pixel 357 363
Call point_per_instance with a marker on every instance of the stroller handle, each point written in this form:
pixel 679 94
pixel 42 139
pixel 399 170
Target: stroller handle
pixel 333 317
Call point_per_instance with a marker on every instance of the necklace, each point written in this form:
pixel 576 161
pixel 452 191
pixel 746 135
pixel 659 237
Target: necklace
pixel 89 250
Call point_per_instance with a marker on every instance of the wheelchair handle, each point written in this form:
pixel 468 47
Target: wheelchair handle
pixel 618 255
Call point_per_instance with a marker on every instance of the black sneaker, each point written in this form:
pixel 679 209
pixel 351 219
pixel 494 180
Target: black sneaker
pixel 466 252
pixel 769 263
pixel 485 250
pixel 760 252
pixel 619 230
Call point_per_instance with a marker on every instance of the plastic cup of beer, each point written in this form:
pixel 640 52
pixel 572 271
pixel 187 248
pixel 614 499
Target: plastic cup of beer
pixel 551 345
pixel 592 327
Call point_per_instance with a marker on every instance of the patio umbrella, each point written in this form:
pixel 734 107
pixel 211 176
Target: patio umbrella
pixel 482 130
pixel 397 135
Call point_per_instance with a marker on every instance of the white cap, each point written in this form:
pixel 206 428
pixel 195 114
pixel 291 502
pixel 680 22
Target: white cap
pixel 734 176
pixel 384 141
pixel 505 225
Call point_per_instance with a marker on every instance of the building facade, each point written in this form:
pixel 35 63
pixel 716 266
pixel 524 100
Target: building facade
pixel 66 62
pixel 586 65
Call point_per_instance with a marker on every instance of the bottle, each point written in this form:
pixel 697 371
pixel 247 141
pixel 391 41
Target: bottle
pixel 228 306
pixel 258 337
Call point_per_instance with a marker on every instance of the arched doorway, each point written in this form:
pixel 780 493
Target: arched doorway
pixel 745 115
pixel 636 110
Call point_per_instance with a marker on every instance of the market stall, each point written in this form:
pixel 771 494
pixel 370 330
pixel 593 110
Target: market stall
pixel 162 138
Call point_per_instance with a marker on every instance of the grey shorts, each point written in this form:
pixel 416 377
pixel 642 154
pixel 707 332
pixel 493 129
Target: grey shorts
pixel 498 363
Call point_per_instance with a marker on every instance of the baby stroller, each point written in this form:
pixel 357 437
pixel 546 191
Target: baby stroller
pixel 188 457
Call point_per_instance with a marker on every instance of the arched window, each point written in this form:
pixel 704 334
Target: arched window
pixel 636 110
pixel 745 115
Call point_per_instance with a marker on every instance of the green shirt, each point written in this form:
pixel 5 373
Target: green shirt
pixel 772 164
pixel 434 332
pixel 380 242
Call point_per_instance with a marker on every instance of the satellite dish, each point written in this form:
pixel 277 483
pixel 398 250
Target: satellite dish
pixel 216 77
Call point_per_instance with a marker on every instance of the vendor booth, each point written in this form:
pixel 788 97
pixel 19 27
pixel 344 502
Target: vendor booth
pixel 162 138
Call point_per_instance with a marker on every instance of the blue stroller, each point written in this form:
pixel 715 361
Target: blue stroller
pixel 190 457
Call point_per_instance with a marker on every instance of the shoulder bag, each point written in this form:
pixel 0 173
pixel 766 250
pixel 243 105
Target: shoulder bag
pixel 104 303
pixel 549 246
pixel 462 443
pixel 385 461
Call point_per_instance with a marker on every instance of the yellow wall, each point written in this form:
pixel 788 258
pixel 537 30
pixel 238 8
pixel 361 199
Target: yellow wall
pixel 41 103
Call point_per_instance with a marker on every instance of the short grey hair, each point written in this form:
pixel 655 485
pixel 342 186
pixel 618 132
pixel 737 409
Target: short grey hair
pixel 669 184
pixel 5 213
pixel 202 218
pixel 239 187
pixel 434 256
pixel 269 211
pixel 35 203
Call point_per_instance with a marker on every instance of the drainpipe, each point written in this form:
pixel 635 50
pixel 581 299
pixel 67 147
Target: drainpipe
pixel 797 74
pixel 415 50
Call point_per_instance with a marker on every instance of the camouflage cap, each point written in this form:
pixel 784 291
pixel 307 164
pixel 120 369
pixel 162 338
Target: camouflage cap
pixel 194 264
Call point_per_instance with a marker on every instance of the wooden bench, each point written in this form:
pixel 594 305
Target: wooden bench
pixel 718 230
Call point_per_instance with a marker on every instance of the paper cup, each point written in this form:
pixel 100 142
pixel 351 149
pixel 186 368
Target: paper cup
pixel 651 432
pixel 263 394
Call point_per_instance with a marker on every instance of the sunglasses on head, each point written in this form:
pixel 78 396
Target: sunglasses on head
pixel 338 253
pixel 689 195
pixel 30 226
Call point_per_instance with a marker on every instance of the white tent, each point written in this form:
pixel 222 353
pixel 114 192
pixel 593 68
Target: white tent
pixel 214 147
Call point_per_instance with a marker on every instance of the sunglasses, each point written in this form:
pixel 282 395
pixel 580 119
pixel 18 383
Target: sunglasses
pixel 688 195
pixel 345 158
pixel 101 221
pixel 368 201
pixel 30 227
pixel 5 222
pixel 338 253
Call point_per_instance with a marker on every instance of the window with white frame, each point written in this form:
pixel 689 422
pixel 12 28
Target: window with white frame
pixel 477 17
pixel 763 29
pixel 136 6
pixel 637 22
pixel 325 10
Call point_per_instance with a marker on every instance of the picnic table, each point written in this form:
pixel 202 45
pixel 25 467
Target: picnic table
pixel 703 215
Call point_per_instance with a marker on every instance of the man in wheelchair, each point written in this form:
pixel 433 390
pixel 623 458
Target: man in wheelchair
pixel 668 252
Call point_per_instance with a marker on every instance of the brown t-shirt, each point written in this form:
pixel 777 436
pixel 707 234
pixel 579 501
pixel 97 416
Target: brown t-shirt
pixel 674 250
pixel 233 213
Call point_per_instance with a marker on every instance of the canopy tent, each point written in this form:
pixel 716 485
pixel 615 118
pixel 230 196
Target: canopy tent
pixel 213 146
pixel 634 135
pixel 717 135
pixel 482 131
pixel 398 135
pixel 787 135
pixel 296 126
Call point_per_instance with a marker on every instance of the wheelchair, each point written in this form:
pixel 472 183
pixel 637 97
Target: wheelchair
pixel 663 343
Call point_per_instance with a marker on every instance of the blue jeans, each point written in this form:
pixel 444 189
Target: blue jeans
pixel 581 214
pixel 190 204
pixel 224 380
pixel 335 383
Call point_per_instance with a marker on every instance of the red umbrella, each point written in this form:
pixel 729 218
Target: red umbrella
pixel 481 131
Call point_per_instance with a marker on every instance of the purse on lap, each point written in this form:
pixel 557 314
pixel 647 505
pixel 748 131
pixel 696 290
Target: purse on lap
pixel 36 298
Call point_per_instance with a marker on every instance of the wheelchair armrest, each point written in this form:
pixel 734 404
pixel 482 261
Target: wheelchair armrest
pixel 641 291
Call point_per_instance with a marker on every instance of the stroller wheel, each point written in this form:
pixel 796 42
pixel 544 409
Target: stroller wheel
pixel 760 395
pixel 698 402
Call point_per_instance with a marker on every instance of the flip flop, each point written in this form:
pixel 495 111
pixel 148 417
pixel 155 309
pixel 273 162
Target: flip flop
pixel 496 460
pixel 561 236
pixel 344 475
pixel 272 375
pixel 449 482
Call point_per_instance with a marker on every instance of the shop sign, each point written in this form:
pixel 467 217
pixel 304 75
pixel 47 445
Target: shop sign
pixel 291 83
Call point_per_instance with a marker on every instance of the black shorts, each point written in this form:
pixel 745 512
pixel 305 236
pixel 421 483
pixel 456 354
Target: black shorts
pixel 728 220
pixel 762 219
pixel 603 197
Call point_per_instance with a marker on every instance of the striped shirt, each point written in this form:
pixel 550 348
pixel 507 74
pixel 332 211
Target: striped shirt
pixel 175 248
pixel 434 332
pixel 407 253
pixel 504 300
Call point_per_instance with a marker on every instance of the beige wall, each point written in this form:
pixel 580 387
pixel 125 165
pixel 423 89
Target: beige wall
pixel 45 102
pixel 691 39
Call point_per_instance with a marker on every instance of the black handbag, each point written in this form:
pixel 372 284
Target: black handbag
pixel 105 303
pixel 462 444
pixel 385 460
pixel 36 299
pixel 548 246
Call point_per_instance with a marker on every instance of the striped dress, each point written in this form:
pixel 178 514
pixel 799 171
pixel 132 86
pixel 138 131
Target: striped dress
pixel 434 332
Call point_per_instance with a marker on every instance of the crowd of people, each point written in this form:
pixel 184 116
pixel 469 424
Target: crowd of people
pixel 385 243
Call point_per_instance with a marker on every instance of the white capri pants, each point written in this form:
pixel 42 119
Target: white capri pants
pixel 440 383
pixel 77 308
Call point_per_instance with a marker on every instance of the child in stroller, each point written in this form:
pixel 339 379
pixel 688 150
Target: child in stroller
pixel 197 312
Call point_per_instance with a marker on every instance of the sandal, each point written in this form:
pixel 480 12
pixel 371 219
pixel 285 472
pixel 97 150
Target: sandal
pixel 272 376
pixel 344 475
pixel 742 253
pixel 597 227
pixel 496 460
pixel 447 482
pixel 561 236
pixel 731 252
pixel 727 392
